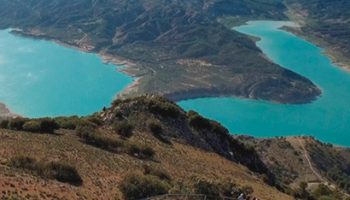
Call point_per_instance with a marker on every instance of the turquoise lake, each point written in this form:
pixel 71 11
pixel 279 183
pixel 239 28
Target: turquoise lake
pixel 41 78
pixel 327 118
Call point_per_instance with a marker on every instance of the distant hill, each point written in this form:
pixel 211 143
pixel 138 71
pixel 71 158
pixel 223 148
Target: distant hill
pixel 177 48
pixel 297 160
pixel 326 23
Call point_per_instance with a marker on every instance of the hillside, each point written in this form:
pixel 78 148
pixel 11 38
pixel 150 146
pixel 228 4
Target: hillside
pixel 325 23
pixel 168 150
pixel 149 142
pixel 176 48
pixel 298 160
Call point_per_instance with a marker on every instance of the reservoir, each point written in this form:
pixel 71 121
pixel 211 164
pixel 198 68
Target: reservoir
pixel 327 118
pixel 41 78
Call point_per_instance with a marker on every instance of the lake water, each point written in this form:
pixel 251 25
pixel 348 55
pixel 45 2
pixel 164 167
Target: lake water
pixel 328 118
pixel 41 78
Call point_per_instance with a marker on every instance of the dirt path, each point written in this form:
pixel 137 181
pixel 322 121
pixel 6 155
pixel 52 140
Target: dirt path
pixel 314 171
pixel 307 157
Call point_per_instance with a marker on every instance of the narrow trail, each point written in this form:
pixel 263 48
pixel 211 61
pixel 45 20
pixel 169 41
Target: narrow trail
pixel 314 171
pixel 307 157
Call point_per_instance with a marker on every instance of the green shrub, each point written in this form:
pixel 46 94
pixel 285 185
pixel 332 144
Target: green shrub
pixel 202 186
pixel 140 151
pixel 68 122
pixel 230 189
pixel 247 189
pixel 198 121
pixel 123 128
pixel 23 162
pixel 217 189
pixel 165 109
pixel 91 136
pixel 118 114
pixel 4 124
pixel 44 125
pixel 201 123
pixel 95 120
pixel 140 186
pixel 32 126
pixel 48 125
pixel 155 128
pixel 64 173
pixel 17 123
pixel 157 131
pixel 160 173
pixel 52 170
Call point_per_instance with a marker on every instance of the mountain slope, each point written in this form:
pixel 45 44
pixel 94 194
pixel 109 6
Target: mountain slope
pixel 295 160
pixel 182 149
pixel 177 48
pixel 326 23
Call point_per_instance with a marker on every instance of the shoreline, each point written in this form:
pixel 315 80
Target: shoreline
pixel 130 68
pixel 327 49
pixel 127 69
pixel 299 18
pixel 122 65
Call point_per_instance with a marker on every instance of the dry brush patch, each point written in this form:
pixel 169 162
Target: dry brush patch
pixel 102 171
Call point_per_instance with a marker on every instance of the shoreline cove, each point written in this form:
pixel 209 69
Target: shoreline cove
pixel 338 60
pixel 93 60
pixel 325 119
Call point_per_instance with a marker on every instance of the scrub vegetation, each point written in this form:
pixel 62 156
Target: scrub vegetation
pixel 146 146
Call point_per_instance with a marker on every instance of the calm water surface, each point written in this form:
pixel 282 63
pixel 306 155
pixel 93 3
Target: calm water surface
pixel 328 118
pixel 40 78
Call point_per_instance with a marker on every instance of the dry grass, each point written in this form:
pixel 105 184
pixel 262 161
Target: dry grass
pixel 102 171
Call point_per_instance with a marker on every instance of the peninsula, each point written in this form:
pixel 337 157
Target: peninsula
pixel 178 49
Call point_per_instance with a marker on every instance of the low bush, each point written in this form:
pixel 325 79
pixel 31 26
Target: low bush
pixel 123 128
pixel 155 128
pixel 17 123
pixel 64 173
pixel 69 123
pixel 91 136
pixel 165 109
pixel 143 186
pixel 198 121
pixel 4 124
pixel 140 151
pixel 32 126
pixel 157 131
pixel 95 120
pixel 202 186
pixel 158 172
pixel 48 125
pixel 218 189
pixel 44 125
pixel 201 123
pixel 52 170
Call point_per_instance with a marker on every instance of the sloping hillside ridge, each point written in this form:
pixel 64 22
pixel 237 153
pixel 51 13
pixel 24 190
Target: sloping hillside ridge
pixel 143 142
